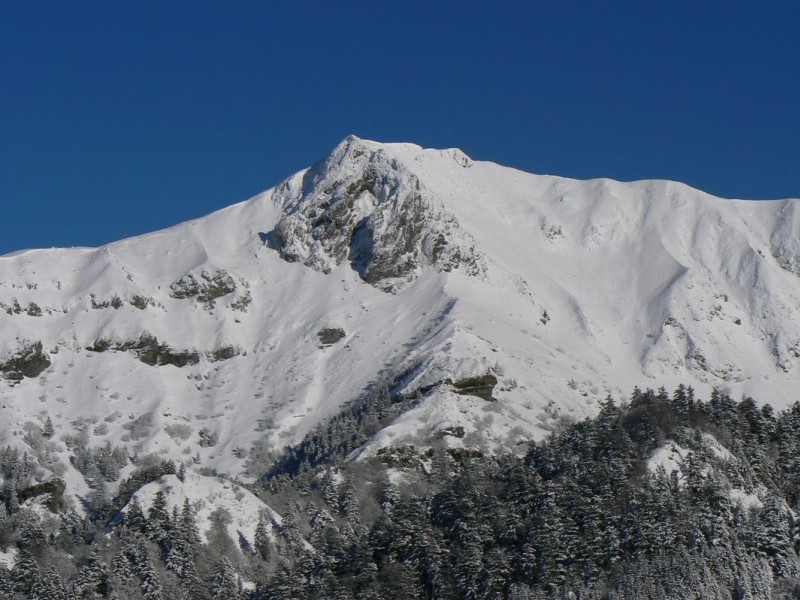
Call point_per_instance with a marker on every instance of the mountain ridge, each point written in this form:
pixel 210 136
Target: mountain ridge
pixel 436 268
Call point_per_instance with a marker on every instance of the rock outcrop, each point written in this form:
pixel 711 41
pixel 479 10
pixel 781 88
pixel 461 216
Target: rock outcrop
pixel 363 207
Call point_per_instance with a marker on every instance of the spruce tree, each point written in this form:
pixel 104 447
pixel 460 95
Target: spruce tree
pixel 92 581
pixel 48 431
pixel 159 523
pixel 135 520
pixel 261 540
pixel 49 587
pixel 25 572
pixel 224 582
pixel 6 584
pixel 148 577
pixel 183 545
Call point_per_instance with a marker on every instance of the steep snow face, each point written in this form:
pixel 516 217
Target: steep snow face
pixel 206 343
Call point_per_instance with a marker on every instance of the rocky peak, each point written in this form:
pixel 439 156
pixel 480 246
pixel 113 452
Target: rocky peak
pixel 362 206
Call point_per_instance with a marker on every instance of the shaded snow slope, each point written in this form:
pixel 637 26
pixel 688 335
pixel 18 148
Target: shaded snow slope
pixel 202 342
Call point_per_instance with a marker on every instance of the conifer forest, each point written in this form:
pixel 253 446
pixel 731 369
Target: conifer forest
pixel 664 495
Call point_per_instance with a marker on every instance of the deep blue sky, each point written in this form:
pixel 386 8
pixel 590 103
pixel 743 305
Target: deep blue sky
pixel 118 118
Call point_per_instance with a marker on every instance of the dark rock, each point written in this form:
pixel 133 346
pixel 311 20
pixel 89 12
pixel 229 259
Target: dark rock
pixel 150 351
pixel 208 438
pixel 99 345
pixel 153 353
pixel 462 455
pixel 28 361
pixel 178 358
pixel 242 302
pixel 481 386
pixel 205 288
pixel 114 302
pixel 54 487
pixel 140 302
pixel 405 457
pixel 330 335
pixel 456 431
pixel 224 353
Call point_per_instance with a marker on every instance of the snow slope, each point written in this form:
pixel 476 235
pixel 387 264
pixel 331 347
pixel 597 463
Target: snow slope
pixel 436 267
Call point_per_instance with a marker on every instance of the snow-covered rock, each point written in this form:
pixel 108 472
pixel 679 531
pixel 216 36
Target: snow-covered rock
pixel 365 207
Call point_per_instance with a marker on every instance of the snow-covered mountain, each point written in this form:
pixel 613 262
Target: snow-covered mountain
pixel 501 300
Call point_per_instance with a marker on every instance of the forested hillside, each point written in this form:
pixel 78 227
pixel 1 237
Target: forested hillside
pixel 662 496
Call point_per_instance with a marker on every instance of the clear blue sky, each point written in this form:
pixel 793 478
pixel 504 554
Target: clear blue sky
pixel 118 118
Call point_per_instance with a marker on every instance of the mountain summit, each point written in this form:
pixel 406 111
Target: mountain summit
pixel 485 302
pixel 363 206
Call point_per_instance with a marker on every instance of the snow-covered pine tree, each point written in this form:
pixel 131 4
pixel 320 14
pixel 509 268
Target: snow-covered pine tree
pixel 261 539
pixel 183 546
pixel 92 580
pixel 25 572
pixel 225 582
pixel 135 520
pixel 148 577
pixel 159 523
pixel 49 587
